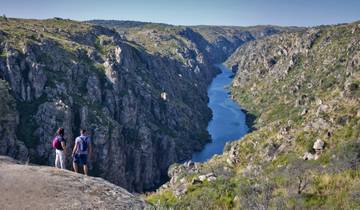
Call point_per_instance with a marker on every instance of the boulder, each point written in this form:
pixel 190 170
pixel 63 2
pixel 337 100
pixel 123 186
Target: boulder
pixel 308 156
pixel 210 175
pixel 202 177
pixel 304 112
pixel 190 164
pixel 163 96
pixel 212 178
pixel 318 145
pixel 195 181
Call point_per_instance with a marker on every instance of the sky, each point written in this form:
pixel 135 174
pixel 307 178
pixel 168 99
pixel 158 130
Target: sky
pixel 192 12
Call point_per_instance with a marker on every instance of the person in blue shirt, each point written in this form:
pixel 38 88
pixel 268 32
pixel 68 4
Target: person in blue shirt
pixel 82 152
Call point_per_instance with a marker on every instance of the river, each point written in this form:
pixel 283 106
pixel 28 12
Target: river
pixel 228 121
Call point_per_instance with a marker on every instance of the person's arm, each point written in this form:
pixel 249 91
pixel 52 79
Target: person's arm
pixel 63 145
pixel 75 148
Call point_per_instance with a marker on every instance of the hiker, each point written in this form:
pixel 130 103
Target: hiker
pixel 82 151
pixel 59 144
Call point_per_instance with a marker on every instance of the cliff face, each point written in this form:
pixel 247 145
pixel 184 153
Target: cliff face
pixel 141 94
pixel 303 87
pixel 70 74
pixel 9 118
pixel 21 188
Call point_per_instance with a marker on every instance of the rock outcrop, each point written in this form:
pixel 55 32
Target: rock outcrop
pixel 41 187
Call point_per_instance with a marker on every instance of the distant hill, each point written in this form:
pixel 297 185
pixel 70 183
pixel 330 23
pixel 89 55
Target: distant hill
pixel 216 43
pixel 125 24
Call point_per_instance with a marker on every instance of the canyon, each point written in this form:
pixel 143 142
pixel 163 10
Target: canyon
pixel 140 91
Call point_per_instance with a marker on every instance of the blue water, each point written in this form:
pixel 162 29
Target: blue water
pixel 228 122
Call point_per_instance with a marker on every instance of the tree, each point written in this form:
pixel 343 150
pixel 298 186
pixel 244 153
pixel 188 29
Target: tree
pixel 301 171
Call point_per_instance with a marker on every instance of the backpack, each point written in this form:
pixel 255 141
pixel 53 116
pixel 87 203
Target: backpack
pixel 83 144
pixel 56 143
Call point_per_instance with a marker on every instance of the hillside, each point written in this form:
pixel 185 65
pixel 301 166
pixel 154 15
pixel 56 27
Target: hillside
pixel 40 187
pixel 303 88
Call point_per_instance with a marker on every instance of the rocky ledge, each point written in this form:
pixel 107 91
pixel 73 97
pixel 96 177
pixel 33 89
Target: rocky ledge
pixel 41 187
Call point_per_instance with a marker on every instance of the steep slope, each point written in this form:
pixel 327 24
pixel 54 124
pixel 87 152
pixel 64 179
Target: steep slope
pixel 304 88
pixel 144 111
pixel 40 187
